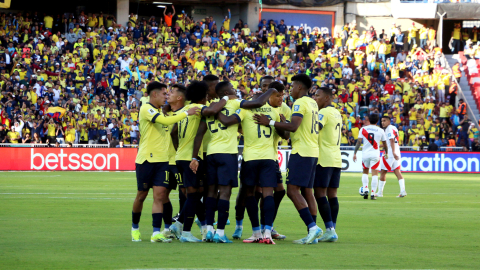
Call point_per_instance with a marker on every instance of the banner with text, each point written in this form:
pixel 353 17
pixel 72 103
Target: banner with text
pixel 441 162
pixel 308 19
pixel 123 159
pixel 68 159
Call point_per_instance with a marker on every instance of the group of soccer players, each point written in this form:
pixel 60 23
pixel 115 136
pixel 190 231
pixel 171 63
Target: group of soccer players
pixel 189 139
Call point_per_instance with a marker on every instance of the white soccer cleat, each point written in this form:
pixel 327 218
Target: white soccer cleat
pixel 379 195
pixel 402 194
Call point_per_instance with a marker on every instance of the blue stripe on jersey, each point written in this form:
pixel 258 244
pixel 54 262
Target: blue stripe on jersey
pixel 297 114
pixel 155 117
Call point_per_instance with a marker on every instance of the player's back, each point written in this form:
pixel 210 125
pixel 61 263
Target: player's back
pixel 371 136
pixel 154 139
pixel 329 138
pixel 207 137
pixel 391 132
pixel 223 139
pixel 305 139
pixel 187 130
pixel 258 139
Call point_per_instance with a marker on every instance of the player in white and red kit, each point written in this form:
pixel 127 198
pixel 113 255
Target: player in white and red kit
pixel 392 161
pixel 371 136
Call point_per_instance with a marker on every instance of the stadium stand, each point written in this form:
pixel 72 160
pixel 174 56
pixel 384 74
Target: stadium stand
pixel 82 80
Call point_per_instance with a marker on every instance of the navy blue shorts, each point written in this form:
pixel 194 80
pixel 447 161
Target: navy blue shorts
pixel 301 171
pixel 260 173
pixel 174 177
pixel 152 174
pixel 189 178
pixel 279 174
pixel 222 169
pixel 327 177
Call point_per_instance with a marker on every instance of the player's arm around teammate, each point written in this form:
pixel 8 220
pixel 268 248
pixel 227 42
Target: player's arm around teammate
pixel 301 168
pixel 152 159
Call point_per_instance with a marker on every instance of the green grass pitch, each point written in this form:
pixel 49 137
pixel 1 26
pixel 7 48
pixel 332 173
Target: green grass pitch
pixel 82 220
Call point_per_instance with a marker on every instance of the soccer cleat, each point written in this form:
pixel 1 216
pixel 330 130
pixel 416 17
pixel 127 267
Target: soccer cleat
pixel 221 239
pixel 380 195
pixel 136 236
pixel 402 194
pixel 253 239
pixel 329 236
pixel 314 242
pixel 372 197
pixel 277 236
pixel 204 234
pixel 300 241
pixel 199 224
pixel 312 235
pixel 268 241
pixel 177 228
pixel 160 238
pixel 238 233
pixel 365 196
pixel 187 237
pixel 209 237
pixel 168 234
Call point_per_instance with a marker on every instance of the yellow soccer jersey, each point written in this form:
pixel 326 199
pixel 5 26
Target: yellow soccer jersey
pixel 207 137
pixel 154 139
pixel 258 139
pixel 187 130
pixel 305 139
pixel 171 149
pixel 329 138
pixel 223 139
pixel 287 112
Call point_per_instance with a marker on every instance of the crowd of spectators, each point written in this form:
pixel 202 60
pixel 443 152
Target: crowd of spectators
pixel 81 79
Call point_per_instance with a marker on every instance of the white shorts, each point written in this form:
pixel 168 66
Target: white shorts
pixel 390 164
pixel 371 163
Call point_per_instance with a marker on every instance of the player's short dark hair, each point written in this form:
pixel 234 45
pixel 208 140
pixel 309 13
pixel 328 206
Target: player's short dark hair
pixel 266 78
pixel 373 118
pixel 277 85
pixel 210 78
pixel 196 91
pixel 327 91
pixel 221 87
pixel 180 88
pixel 303 79
pixel 155 86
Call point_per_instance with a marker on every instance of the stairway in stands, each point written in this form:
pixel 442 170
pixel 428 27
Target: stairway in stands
pixel 465 88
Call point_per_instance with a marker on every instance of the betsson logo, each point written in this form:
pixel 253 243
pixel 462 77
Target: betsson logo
pixel 72 161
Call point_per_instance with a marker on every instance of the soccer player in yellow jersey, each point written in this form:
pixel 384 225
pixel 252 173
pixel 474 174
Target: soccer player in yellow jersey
pixel 222 163
pixel 304 156
pixel 183 135
pixel 276 101
pixel 259 167
pixel 152 159
pixel 329 167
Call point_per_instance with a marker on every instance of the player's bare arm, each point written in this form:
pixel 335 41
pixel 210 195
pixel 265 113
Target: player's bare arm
pixel 385 147
pixel 357 146
pixel 395 155
pixel 227 120
pixel 290 127
pixel 260 101
pixel 197 143
pixel 174 135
